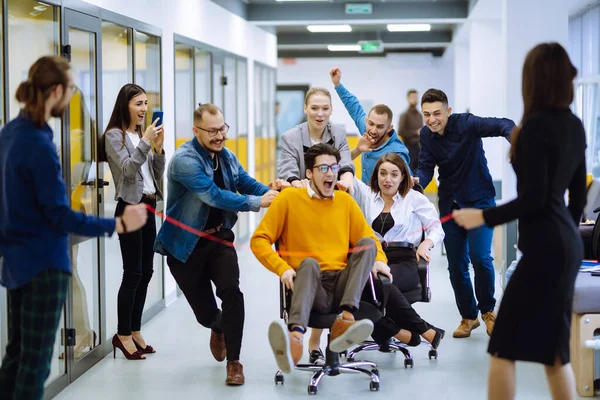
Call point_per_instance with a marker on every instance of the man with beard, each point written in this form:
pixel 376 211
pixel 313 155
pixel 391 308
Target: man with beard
pixel 207 187
pixel 409 125
pixel 35 223
pixel 379 136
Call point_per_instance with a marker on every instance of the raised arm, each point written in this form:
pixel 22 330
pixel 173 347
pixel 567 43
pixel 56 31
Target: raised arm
pixel 350 101
pixel 187 172
pixel 491 127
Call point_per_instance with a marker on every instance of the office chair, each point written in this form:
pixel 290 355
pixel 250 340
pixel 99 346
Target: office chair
pixel 333 366
pixel 421 293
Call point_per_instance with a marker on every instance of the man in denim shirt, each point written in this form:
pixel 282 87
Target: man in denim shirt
pixel 207 187
pixel 379 136
pixel 453 143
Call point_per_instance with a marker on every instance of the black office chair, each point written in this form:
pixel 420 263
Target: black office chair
pixel 333 366
pixel 421 293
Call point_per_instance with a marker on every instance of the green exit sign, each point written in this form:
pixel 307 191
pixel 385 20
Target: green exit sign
pixel 370 46
pixel 359 8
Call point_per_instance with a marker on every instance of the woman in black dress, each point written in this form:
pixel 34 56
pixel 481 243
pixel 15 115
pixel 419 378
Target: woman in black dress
pixel 548 156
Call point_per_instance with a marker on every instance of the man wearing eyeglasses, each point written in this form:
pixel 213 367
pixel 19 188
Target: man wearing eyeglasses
pixel 314 228
pixel 207 187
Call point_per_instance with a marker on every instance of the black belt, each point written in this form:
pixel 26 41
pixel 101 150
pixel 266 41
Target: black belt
pixel 149 196
pixel 387 245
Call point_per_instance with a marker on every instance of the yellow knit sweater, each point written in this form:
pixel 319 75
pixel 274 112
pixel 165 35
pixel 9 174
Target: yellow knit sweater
pixel 323 229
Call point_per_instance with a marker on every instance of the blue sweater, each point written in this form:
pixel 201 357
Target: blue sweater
pixel 35 217
pixel 392 145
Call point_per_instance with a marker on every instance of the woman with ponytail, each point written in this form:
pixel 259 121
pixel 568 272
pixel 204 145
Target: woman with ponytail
pixel 35 223
pixel 548 156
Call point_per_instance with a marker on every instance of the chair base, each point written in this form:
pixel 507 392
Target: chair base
pixel 392 346
pixel 333 367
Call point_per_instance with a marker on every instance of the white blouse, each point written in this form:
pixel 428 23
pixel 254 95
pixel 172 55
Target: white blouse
pixel 412 215
pixel 148 181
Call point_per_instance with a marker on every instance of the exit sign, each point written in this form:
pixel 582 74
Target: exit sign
pixel 370 46
pixel 359 8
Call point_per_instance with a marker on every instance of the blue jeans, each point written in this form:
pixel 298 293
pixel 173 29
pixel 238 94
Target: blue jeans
pixel 475 245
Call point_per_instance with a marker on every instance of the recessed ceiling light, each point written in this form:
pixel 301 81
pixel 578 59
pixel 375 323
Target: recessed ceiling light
pixel 343 47
pixel 329 28
pixel 409 27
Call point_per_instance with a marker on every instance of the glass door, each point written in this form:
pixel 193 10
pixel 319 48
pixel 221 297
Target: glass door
pixel 86 187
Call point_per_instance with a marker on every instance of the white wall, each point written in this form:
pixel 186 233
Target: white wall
pixel 206 22
pixel 375 80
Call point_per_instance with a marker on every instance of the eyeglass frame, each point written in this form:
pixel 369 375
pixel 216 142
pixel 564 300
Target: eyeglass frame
pixel 210 132
pixel 329 167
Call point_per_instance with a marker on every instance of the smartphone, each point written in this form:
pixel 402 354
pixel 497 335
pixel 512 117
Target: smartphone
pixel 157 114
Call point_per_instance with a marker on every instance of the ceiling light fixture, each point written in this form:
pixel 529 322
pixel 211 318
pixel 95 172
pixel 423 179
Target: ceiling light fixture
pixel 409 27
pixel 343 47
pixel 329 28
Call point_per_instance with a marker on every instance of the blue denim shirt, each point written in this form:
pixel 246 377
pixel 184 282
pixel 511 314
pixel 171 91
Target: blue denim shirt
pixel 464 174
pixel 192 191
pixel 392 145
pixel 35 216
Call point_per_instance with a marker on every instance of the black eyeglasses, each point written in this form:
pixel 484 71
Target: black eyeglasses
pixel 323 168
pixel 213 132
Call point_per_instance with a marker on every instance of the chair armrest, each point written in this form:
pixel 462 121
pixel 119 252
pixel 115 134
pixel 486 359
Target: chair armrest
pixel 385 283
pixel 423 270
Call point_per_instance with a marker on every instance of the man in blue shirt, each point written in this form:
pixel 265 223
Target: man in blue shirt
pixel 379 136
pixel 453 143
pixel 35 223
pixel 207 187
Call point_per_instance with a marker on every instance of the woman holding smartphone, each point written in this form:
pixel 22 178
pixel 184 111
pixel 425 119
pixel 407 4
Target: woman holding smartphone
pixel 137 161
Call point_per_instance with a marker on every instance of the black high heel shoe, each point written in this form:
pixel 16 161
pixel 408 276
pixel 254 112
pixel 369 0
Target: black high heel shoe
pixel 439 335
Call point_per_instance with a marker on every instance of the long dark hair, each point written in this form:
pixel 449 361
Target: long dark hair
pixel 44 75
pixel 120 117
pixel 547 83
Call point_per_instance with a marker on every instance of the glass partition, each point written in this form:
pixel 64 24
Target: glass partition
pixel 147 74
pixel 184 90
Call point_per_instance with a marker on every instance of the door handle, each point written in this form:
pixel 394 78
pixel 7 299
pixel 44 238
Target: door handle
pixel 100 182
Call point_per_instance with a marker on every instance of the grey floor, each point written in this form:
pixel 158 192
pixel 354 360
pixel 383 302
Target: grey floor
pixel 183 367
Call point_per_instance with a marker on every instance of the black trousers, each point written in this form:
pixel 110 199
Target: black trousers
pixel 399 312
pixel 137 251
pixel 217 263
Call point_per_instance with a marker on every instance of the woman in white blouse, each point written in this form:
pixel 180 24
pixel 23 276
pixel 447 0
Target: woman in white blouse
pixel 137 161
pixel 399 216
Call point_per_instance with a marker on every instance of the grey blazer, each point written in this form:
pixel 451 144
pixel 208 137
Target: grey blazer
pixel 296 141
pixel 125 163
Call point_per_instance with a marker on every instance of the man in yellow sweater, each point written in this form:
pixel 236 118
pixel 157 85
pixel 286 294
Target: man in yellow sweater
pixel 314 230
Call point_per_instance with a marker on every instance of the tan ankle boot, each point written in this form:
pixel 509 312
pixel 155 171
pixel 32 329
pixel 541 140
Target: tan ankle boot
pixel 465 328
pixel 490 319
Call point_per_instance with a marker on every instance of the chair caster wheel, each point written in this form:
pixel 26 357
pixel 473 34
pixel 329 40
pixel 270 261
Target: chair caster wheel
pixel 279 379
pixel 344 353
pixel 350 359
pixel 312 390
pixel 375 371
pixel 433 354
pixel 374 386
pixel 408 363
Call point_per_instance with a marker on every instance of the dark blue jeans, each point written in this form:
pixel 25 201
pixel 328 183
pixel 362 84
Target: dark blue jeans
pixel 475 245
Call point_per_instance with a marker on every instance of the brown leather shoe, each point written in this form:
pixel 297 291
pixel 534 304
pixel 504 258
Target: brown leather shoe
pixel 490 319
pixel 465 328
pixel 346 333
pixel 235 373
pixel 217 346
